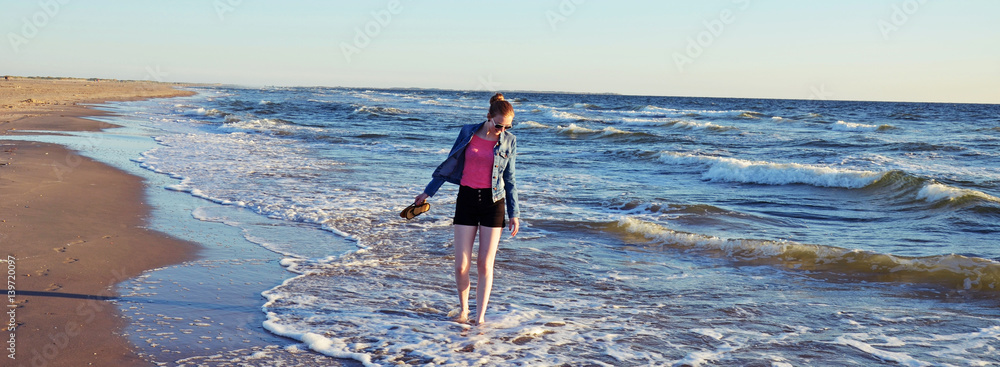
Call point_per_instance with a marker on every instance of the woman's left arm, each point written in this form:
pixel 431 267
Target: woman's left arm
pixel 510 186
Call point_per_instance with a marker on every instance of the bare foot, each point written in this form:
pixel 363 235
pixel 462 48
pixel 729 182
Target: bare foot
pixel 460 317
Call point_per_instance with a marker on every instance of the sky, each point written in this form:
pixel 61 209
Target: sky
pixel 882 50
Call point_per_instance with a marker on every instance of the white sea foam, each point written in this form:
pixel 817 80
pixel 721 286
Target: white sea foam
pixel 566 115
pixel 377 110
pixel 275 163
pixel 959 347
pixel 420 332
pixel 674 123
pixel 935 192
pixel 607 131
pixel 270 126
pixel 973 273
pixel 700 125
pixel 736 249
pixel 532 124
pixel 885 355
pixel 857 127
pixel 658 109
pixel 770 173
pixel 207 112
pixel 661 111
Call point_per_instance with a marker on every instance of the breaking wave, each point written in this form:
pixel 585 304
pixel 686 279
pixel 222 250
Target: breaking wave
pixel 952 271
pixel 574 129
pixel 936 192
pixel 894 183
pixel 567 116
pixel 856 127
pixel 678 124
pixel 770 173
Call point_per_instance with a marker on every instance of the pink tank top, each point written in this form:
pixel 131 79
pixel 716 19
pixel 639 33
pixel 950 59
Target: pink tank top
pixel 478 170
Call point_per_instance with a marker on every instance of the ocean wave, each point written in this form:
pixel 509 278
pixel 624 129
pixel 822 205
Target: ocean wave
pixel 368 95
pixel 644 110
pixel 893 183
pixel 920 146
pixel 750 115
pixel 952 271
pixel 385 112
pixel 960 349
pixel 563 115
pixel 258 124
pixel 907 116
pixel 858 127
pixel 532 125
pixel 449 103
pixel 574 129
pixel 652 108
pixel 588 106
pixel 694 125
pixel 375 110
pixel 675 123
pixel 663 111
pixel 935 192
pixel 637 206
pixel 770 173
pixel 201 111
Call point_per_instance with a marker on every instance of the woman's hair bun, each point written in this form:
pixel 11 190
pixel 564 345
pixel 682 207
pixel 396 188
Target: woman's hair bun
pixel 496 97
pixel 500 107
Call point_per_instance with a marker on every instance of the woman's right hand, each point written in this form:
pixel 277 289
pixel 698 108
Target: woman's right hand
pixel 420 199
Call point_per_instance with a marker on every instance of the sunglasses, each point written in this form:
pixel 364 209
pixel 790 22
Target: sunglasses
pixel 498 126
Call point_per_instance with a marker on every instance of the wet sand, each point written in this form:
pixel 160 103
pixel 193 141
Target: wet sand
pixel 70 227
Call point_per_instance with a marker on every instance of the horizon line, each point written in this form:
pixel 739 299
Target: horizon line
pixel 510 90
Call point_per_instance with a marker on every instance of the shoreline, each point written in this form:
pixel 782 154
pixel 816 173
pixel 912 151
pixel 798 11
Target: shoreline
pixel 71 228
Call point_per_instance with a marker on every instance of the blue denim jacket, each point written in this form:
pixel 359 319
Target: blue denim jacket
pixel 503 168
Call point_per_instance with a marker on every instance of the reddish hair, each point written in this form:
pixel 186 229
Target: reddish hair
pixel 500 107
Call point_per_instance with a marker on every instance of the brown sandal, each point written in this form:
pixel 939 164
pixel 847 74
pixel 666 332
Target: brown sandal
pixel 415 210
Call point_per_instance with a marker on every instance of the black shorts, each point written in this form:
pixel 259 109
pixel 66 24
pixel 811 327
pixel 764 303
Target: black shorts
pixel 475 207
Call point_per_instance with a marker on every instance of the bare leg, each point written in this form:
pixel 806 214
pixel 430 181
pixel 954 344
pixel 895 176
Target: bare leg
pixel 489 240
pixel 465 236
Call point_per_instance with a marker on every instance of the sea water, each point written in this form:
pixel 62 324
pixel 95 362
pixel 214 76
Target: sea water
pixel 655 230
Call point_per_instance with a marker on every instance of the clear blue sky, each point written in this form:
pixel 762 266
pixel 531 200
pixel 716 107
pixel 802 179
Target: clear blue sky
pixel 903 50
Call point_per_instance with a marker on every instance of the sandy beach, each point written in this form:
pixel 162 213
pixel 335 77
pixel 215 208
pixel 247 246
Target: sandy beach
pixel 70 227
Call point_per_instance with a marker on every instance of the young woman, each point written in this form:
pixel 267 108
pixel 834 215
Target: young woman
pixel 482 163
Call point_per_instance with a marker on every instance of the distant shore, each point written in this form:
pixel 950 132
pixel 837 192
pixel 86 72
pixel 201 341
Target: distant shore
pixel 70 227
